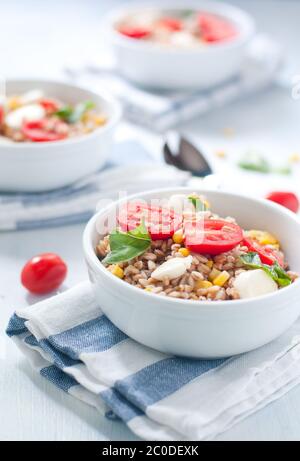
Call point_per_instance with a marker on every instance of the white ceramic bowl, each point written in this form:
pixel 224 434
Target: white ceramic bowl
pixel 31 167
pixel 155 66
pixel 201 329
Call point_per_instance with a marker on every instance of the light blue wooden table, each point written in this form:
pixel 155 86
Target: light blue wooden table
pixel 36 39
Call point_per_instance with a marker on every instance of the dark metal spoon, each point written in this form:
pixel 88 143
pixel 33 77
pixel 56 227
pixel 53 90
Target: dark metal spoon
pixel 182 154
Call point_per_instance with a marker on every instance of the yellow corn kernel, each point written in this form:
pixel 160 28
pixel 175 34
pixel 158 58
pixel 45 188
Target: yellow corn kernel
pixel 14 102
pixel 213 274
pixel 221 279
pixel 210 264
pixel 184 251
pixel 275 246
pixel 294 158
pixel 268 239
pixel 228 132
pixel 99 120
pixel 207 204
pixel 178 236
pixel 220 154
pixel 117 271
pixel 203 284
pixel 148 289
pixel 264 238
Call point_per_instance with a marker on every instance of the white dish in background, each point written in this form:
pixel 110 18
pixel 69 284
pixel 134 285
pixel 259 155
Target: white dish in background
pixel 34 167
pixel 201 329
pixel 154 66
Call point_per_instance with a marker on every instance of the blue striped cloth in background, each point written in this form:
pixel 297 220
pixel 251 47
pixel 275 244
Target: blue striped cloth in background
pixel 125 171
pixel 73 345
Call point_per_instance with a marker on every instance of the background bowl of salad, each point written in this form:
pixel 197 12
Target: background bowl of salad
pixel 179 45
pixel 200 328
pixel 53 134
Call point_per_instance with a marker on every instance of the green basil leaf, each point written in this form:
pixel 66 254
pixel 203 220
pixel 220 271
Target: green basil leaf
pixel 79 110
pixel 283 278
pixel 64 113
pixel 285 169
pixel 254 161
pixel 198 203
pixel 127 245
pixel 73 115
pixel 276 272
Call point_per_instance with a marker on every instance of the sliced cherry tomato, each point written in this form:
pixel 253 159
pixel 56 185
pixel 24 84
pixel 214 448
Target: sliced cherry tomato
pixel 43 273
pixel 160 222
pixel 135 32
pixel 212 236
pixel 49 105
pixel 267 255
pixel 1 114
pixel 215 29
pixel 172 24
pixel 37 131
pixel 287 199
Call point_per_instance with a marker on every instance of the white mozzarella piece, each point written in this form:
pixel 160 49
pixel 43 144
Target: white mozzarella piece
pixel 172 268
pixel 32 96
pixel 254 283
pixel 32 112
pixel 182 39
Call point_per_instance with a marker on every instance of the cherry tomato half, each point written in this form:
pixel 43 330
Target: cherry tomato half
pixel 1 114
pixel 36 131
pixel 160 222
pixel 134 32
pixel 43 273
pixel 267 255
pixel 212 236
pixel 49 105
pixel 215 29
pixel 287 199
pixel 172 24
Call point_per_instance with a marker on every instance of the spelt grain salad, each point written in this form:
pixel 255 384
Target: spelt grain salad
pixel 37 117
pixel 177 28
pixel 184 250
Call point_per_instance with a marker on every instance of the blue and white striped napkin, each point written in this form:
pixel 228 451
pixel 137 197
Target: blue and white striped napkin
pixel 130 169
pixel 161 110
pixel 72 344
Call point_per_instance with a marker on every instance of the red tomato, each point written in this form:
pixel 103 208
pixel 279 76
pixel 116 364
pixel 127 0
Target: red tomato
pixel 267 255
pixel 1 114
pixel 134 32
pixel 286 199
pixel 160 222
pixel 214 28
pixel 212 236
pixel 36 131
pixel 43 273
pixel 49 105
pixel 171 24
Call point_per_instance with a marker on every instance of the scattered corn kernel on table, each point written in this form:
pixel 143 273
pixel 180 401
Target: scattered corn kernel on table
pixel 34 409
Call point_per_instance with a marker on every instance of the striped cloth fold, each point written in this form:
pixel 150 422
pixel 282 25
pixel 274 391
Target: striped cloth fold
pixel 73 345
pixel 130 169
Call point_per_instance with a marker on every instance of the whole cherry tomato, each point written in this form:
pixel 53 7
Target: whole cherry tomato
pixel 286 199
pixel 43 273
